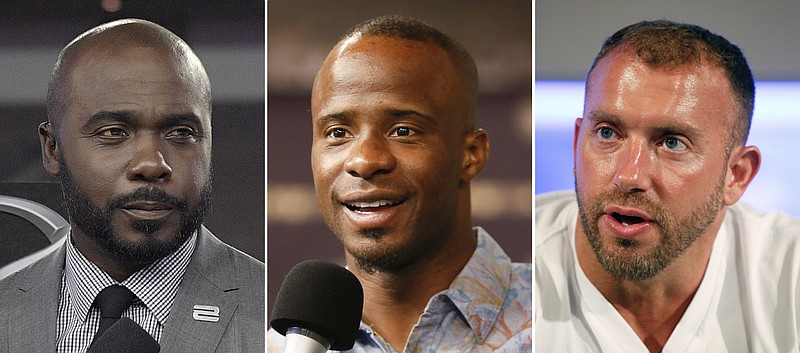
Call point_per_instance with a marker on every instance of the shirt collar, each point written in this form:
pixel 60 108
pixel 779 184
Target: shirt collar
pixel 155 285
pixel 480 289
pixel 478 292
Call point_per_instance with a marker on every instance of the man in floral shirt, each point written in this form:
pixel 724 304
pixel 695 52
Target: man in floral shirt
pixel 394 150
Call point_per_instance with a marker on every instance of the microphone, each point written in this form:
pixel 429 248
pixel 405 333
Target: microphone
pixel 318 308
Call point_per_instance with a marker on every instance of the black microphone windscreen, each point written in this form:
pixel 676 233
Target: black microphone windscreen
pixel 125 336
pixel 322 297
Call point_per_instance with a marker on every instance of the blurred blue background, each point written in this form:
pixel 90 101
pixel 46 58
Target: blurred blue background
pixel 774 130
pixel 569 33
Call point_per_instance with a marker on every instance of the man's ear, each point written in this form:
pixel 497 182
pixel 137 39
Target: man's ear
pixel 476 153
pixel 743 165
pixel 575 135
pixel 50 155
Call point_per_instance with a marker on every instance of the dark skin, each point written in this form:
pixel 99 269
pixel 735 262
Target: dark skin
pixel 393 154
pixel 135 118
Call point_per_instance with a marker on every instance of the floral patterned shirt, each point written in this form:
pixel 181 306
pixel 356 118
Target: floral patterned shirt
pixel 486 309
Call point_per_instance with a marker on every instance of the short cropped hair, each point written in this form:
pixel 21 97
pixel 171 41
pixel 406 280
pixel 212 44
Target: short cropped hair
pixel 406 28
pixel 667 44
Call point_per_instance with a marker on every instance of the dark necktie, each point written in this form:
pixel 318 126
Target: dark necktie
pixel 112 302
pixel 119 335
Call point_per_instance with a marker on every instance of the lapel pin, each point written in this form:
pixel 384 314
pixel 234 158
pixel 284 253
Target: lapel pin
pixel 207 313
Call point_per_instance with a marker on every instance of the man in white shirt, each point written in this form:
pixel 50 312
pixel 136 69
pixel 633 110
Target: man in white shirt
pixel 651 252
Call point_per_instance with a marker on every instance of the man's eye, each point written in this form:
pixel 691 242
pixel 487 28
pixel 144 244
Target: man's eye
pixel 606 133
pixel 181 132
pixel 113 132
pixel 403 131
pixel 338 133
pixel 674 144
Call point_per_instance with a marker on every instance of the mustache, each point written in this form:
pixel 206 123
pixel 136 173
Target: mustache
pixel 343 187
pixel 150 193
pixel 628 199
pixel 634 200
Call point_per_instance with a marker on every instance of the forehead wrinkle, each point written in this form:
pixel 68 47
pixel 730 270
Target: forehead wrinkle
pixel 132 118
pixel 122 116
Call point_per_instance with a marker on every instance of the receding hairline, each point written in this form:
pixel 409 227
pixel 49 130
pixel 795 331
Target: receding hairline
pixel 666 45
pixel 404 28
pixel 106 39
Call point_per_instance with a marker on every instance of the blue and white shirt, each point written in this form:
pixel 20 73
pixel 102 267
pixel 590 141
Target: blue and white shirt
pixel 487 308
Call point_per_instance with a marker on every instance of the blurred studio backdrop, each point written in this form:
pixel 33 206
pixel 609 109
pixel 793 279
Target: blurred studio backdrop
pixel 229 39
pixel 301 33
pixel 569 34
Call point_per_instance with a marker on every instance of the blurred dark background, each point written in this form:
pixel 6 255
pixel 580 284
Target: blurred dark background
pixel 228 36
pixel 300 35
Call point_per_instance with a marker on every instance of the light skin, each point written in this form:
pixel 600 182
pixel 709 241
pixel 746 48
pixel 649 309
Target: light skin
pixel 131 122
pixel 653 141
pixel 389 131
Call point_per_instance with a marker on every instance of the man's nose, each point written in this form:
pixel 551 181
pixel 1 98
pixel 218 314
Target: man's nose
pixel 148 162
pixel 633 167
pixel 369 155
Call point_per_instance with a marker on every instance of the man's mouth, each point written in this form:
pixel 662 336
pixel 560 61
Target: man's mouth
pixel 627 220
pixel 371 206
pixel 147 206
pixel 147 210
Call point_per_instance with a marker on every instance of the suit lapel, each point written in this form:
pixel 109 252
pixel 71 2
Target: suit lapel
pixel 208 281
pixel 33 320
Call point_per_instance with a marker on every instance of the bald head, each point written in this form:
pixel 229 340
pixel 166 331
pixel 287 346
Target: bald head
pixel 112 41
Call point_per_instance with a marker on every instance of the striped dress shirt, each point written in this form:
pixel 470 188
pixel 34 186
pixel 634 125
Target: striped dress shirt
pixel 155 287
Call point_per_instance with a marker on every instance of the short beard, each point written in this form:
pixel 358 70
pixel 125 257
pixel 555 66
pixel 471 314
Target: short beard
pixel 372 263
pixel 677 235
pixel 96 222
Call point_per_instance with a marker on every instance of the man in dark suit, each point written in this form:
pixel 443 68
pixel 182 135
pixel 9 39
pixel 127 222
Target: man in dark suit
pixel 129 135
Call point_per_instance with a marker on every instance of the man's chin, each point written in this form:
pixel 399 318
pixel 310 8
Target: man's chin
pixel 372 263
pixel 371 255
pixel 147 249
pixel 629 259
pixel 141 243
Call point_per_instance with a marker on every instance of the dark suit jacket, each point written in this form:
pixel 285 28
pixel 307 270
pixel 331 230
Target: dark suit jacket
pixel 217 275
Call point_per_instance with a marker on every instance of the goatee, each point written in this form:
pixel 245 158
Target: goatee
pixel 96 222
